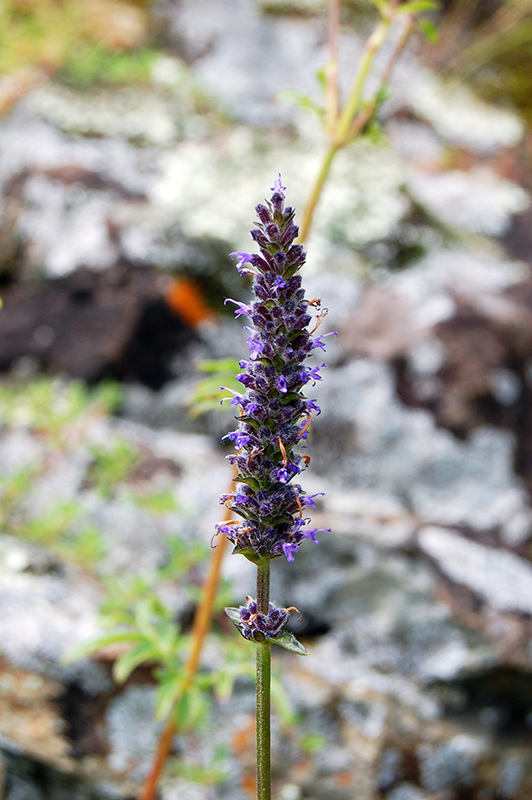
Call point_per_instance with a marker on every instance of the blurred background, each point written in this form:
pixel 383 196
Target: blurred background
pixel 136 138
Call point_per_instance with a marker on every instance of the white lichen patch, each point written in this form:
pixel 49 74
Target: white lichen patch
pixel 500 577
pixel 460 117
pixel 477 201
pixel 131 113
pixel 200 182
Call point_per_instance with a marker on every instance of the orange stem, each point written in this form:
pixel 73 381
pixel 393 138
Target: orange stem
pixel 200 628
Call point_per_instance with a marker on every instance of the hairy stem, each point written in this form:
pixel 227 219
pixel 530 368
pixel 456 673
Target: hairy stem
pixel 263 690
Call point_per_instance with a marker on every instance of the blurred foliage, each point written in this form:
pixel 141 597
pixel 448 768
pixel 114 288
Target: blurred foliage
pixel 58 411
pixel 490 46
pixel 210 392
pixel 148 630
pixel 113 462
pixel 59 414
pixel 52 33
pixel 92 63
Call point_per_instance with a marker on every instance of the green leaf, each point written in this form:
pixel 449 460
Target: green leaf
pixel 207 394
pixel 218 366
pixel 87 648
pixel 169 689
pixel 143 651
pixel 416 7
pixel 190 708
pixel 281 701
pixel 429 30
pixel 302 100
pixel 289 642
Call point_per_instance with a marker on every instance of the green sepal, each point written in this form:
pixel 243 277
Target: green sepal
pixel 252 555
pixel 234 615
pixel 251 482
pixel 289 642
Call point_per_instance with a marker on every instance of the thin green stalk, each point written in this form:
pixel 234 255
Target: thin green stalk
pixel 263 690
pixel 312 202
pixel 331 70
pixel 355 114
pixel 352 105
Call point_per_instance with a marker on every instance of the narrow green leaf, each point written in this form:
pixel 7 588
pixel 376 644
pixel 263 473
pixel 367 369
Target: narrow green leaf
pixel 281 701
pixel 302 100
pixel 168 692
pixel 429 30
pixel 416 7
pixel 87 648
pixel 190 708
pixel 143 651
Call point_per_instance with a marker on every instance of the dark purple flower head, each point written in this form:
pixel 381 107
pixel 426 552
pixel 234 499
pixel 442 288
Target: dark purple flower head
pixel 275 414
pixel 260 627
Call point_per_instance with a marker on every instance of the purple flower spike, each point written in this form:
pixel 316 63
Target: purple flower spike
pixel 274 412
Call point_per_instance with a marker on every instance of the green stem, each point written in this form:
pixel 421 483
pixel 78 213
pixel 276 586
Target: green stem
pixel 263 690
pixel 331 70
pixel 312 202
pixel 352 105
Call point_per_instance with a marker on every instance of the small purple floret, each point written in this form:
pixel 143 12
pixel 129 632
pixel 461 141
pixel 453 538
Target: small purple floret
pixel 256 626
pixel 242 307
pixel 281 384
pixel 241 259
pixel 289 550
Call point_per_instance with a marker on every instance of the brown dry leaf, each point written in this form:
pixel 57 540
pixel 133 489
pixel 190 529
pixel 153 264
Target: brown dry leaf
pixel 28 716
pixel 114 24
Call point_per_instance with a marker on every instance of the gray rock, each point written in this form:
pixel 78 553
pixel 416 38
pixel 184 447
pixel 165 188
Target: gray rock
pixel 133 732
pixel 406 791
pixel 451 765
pixel 501 578
pixel 477 201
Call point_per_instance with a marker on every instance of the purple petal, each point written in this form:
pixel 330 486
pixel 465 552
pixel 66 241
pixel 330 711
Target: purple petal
pixel 289 550
pixel 278 185
pixel 242 258
pixel 242 307
pixel 318 341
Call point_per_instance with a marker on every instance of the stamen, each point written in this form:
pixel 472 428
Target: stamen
pixel 283 452
pixel 306 426
pixel 255 452
pixel 319 319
